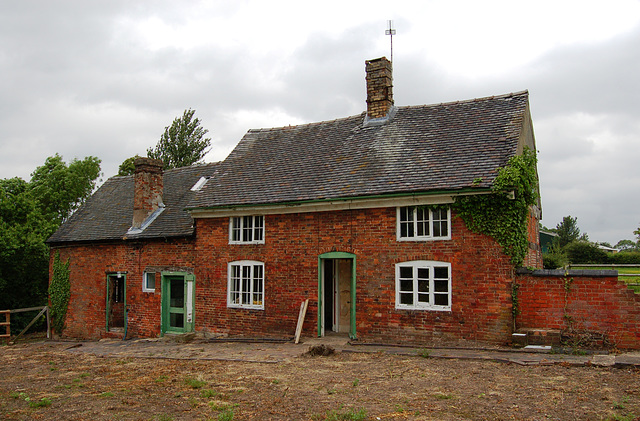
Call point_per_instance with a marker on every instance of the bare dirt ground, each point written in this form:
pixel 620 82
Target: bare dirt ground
pixel 50 381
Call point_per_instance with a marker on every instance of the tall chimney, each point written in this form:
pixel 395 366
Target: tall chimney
pixel 148 188
pixel 379 87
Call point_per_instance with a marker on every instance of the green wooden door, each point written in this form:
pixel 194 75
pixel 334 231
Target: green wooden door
pixel 177 303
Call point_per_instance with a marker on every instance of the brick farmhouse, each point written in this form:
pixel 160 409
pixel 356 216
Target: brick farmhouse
pixel 352 214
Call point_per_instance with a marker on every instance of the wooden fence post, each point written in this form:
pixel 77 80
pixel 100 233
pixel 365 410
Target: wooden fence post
pixel 6 323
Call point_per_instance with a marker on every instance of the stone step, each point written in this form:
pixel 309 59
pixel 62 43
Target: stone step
pixel 533 336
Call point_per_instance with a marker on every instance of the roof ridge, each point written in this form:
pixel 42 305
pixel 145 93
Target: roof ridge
pixel 197 164
pixel 315 123
pixel 466 101
pixel 335 120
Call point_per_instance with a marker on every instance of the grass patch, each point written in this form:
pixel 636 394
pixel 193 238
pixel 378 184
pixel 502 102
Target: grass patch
pixel 222 406
pixel 226 415
pixel 444 396
pixel 349 414
pixel 106 395
pixel 42 403
pixel 195 383
pixel 208 393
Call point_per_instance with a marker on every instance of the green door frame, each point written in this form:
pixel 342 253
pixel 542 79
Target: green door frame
pixel 107 305
pixel 338 255
pixel 189 302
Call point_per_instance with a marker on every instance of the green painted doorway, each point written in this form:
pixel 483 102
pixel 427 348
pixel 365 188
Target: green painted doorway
pixel 177 302
pixel 116 305
pixel 337 293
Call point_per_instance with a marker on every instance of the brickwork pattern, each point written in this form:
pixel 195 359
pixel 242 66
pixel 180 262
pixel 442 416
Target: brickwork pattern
pixel 601 305
pixel 533 259
pixel 90 264
pixel 481 278
pixel 379 87
pixel 148 188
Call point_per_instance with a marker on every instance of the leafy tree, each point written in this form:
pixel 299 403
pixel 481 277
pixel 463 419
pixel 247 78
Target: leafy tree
pixel 127 167
pixel 24 257
pixel 585 252
pixel 60 189
pixel 627 245
pixel 567 231
pixel 29 213
pixel 183 143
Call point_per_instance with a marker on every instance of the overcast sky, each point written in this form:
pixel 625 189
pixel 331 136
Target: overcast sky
pixel 83 78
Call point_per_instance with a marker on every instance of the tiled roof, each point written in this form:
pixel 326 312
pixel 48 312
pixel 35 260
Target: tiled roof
pixel 442 147
pixel 108 214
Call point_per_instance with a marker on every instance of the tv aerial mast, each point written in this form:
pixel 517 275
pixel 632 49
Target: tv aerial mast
pixel 391 32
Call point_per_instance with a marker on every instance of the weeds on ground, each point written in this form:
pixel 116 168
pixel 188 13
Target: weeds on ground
pixel 342 414
pixel 424 353
pixel 222 406
pixel 44 402
pixel 195 383
pixel 628 417
pixel 226 415
pixel 208 393
pixel 444 396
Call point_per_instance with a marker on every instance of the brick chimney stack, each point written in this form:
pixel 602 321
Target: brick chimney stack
pixel 379 87
pixel 148 189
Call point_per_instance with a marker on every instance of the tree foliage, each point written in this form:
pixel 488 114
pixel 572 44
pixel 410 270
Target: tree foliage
pixel 60 189
pixel 504 214
pixel 24 260
pixel 628 245
pixel 183 143
pixel 567 230
pixel 585 252
pixel 29 213
pixel 128 167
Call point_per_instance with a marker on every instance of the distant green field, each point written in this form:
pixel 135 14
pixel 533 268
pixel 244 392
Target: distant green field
pixel 625 270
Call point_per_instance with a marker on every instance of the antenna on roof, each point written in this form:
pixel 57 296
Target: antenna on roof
pixel 391 32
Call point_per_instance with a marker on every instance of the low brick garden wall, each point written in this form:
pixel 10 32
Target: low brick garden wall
pixel 587 304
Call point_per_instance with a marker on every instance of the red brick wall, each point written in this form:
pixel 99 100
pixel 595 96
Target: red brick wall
pixel 481 278
pixel 89 265
pixel 533 259
pixel 591 303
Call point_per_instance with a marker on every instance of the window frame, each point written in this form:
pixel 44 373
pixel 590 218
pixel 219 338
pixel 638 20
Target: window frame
pixel 145 287
pixel 231 277
pixel 242 229
pixel 417 304
pixel 416 221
